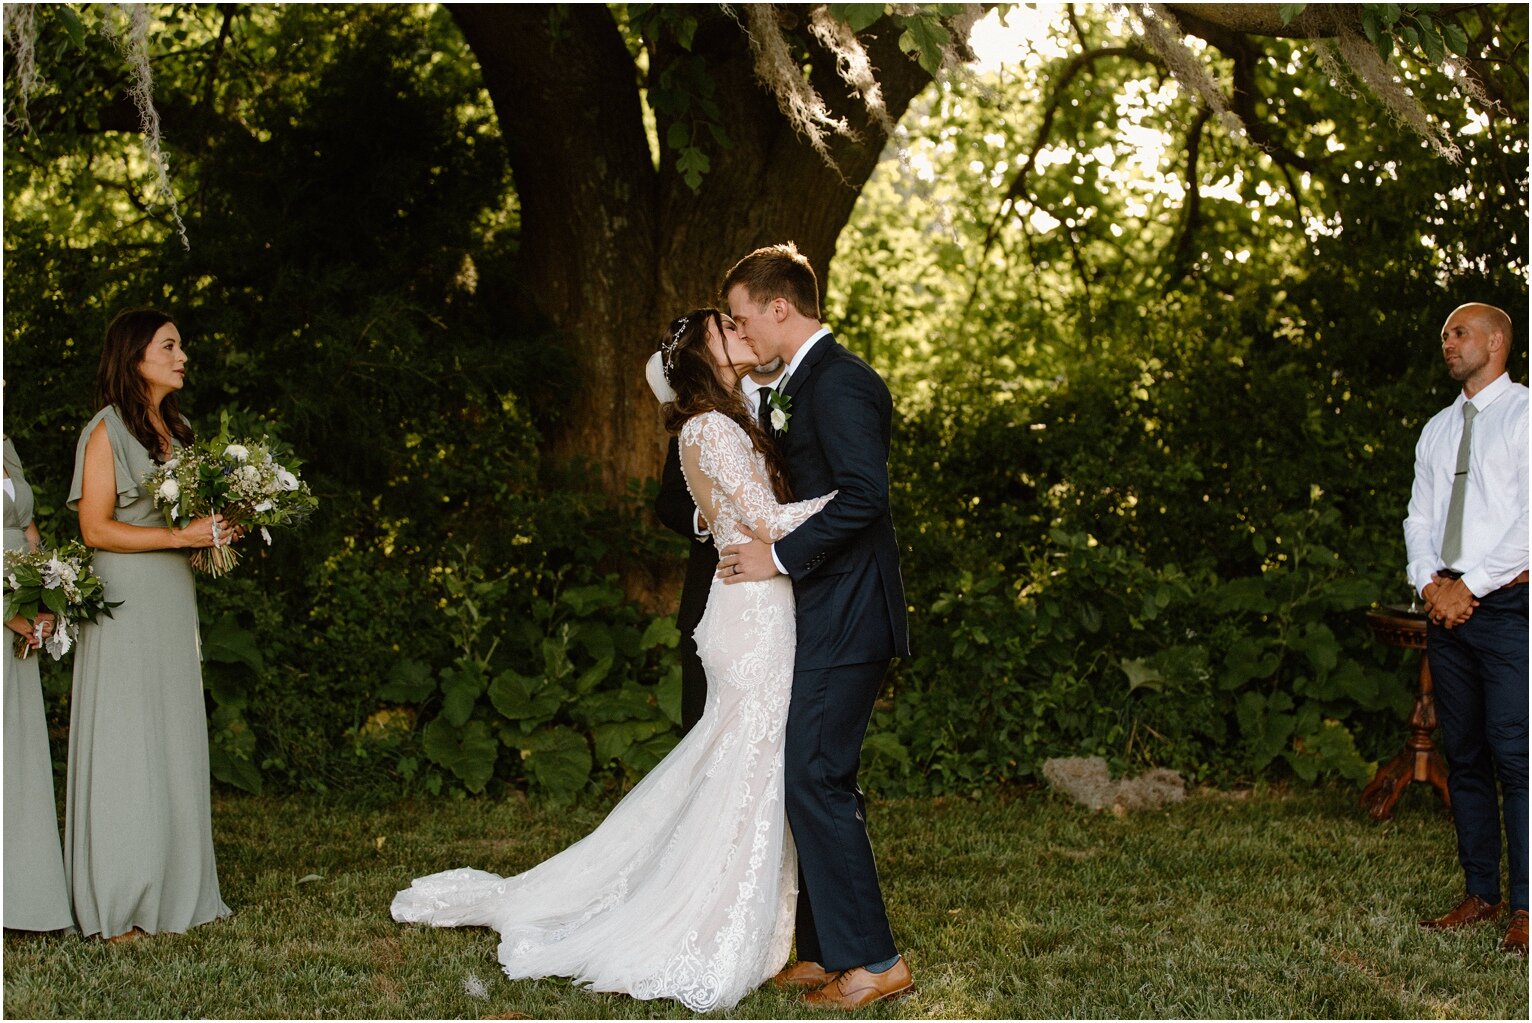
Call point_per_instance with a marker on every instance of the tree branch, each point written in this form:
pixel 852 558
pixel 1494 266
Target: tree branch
pixel 1315 21
pixel 1017 189
pixel 1191 217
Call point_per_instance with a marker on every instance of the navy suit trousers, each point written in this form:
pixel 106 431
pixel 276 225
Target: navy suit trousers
pixel 1480 672
pixel 841 920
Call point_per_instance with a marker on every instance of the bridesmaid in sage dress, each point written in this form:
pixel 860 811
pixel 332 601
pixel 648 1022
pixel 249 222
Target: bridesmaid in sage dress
pixel 138 832
pixel 36 896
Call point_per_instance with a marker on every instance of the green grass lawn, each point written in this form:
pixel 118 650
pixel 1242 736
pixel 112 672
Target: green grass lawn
pixel 1023 906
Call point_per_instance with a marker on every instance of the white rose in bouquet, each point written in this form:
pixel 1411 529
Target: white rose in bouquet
pixel 238 452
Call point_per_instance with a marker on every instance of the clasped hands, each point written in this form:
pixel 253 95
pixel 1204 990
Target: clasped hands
pixel 747 562
pixel 1448 602
pixel 200 532
pixel 36 631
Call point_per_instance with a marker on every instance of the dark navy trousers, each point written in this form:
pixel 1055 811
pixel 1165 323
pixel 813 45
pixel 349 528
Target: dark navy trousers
pixel 1480 672
pixel 841 921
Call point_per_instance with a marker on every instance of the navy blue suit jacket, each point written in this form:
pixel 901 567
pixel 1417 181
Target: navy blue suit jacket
pixel 844 562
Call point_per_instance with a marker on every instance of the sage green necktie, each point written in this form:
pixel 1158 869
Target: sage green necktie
pixel 1452 540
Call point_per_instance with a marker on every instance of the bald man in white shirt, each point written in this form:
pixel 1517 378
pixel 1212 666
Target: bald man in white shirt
pixel 1466 535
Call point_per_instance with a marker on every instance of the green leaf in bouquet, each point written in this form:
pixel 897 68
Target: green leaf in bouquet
pixel 55 601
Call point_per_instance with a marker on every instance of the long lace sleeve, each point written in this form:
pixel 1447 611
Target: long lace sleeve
pixel 727 478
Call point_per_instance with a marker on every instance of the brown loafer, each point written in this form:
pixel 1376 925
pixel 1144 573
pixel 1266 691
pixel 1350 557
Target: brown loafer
pixel 852 989
pixel 1470 911
pixel 802 974
pixel 1515 941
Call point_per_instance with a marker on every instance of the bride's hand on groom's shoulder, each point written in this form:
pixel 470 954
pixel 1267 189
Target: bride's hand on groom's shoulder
pixel 747 562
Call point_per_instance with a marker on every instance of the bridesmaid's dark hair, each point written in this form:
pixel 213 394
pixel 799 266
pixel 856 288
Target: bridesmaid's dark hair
pixel 119 383
pixel 689 370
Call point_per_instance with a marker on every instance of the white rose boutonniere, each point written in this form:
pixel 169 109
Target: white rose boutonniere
pixel 781 409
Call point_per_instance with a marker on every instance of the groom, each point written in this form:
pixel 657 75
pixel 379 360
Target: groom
pixel 844 563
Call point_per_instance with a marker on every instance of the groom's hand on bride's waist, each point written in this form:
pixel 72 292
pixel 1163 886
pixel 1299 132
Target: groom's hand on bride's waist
pixel 748 562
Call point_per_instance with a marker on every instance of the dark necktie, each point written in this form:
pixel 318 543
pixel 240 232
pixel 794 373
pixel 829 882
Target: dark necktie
pixel 764 412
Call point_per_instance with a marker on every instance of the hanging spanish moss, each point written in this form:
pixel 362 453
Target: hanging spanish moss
pixel 852 62
pixel 132 39
pixel 20 38
pixel 804 108
pixel 1158 28
pixel 1401 104
pixel 127 26
pixel 1163 33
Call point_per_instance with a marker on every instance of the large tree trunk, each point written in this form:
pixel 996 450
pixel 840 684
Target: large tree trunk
pixel 612 247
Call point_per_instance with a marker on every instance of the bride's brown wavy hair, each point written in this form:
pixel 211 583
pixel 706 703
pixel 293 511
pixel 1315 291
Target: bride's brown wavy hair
pixel 119 382
pixel 691 375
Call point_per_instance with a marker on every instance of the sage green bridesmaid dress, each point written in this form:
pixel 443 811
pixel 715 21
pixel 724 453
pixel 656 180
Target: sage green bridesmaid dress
pixel 36 895
pixel 138 829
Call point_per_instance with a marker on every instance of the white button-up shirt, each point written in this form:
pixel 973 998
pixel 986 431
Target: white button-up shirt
pixel 813 339
pixel 1495 502
pixel 753 390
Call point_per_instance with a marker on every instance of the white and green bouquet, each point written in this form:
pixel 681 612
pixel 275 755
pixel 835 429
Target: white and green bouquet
pixel 252 483
pixel 61 581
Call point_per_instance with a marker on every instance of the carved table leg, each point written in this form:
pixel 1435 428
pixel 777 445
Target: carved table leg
pixel 1419 762
pixel 1388 785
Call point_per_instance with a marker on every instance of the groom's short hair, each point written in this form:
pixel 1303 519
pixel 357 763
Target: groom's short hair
pixel 776 271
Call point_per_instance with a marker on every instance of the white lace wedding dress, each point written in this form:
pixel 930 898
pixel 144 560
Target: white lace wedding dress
pixel 687 889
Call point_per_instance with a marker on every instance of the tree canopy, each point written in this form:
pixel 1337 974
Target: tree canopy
pixel 1159 354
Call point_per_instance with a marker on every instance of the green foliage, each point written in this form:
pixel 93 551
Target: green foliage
pixel 1153 462
pixel 339 225
pixel 549 682
pixel 1151 459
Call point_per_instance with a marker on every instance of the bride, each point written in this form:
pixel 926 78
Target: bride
pixel 687 889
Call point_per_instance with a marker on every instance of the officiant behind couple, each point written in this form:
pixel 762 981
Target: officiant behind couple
pixel 693 886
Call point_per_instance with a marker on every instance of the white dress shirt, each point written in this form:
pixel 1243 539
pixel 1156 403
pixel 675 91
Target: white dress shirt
pixel 753 390
pixel 1495 501
pixel 792 367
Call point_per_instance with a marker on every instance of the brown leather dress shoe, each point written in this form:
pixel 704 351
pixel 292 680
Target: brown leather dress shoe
pixel 852 989
pixel 802 974
pixel 1515 941
pixel 1470 911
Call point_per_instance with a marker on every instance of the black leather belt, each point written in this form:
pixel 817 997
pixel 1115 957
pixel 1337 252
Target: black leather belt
pixel 1452 573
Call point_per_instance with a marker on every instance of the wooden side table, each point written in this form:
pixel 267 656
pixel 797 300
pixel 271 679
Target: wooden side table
pixel 1401 626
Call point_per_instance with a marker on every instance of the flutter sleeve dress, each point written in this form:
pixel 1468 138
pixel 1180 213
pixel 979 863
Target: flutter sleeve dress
pixel 36 896
pixel 138 830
